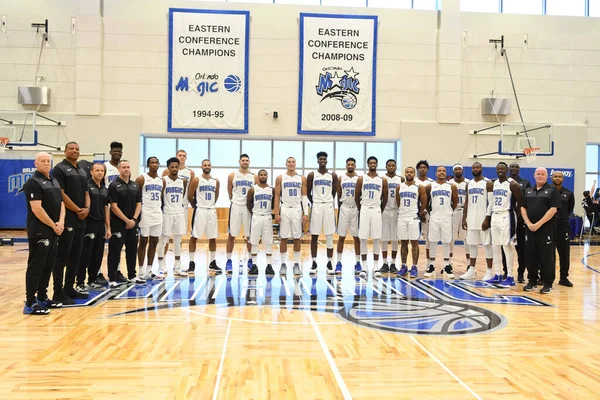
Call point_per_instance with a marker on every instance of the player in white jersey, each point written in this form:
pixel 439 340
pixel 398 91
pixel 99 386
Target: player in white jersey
pixel 408 195
pixel 174 221
pixel 443 197
pixel 371 198
pixel 423 180
pixel 238 184
pixel 259 202
pixel 291 212
pixel 389 219
pixel 112 165
pixel 320 186
pixel 151 187
pixel 507 199
pixel 458 233
pixel 347 214
pixel 203 195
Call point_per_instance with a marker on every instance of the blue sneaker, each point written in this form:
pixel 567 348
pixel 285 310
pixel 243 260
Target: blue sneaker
pixel 497 279
pixel 403 271
pixel 508 282
pixel 250 263
pixel 413 271
pixel 338 268
pixel 357 268
pixel 228 267
pixel 35 309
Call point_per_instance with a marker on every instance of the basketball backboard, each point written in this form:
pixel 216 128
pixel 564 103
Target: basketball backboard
pixel 510 139
pixel 19 127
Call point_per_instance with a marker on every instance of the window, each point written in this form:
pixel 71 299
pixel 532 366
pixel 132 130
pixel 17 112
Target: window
pixel 300 2
pixel 389 3
pixel 224 153
pixel 344 3
pixel 344 150
pixel 383 152
pixel 592 167
pixel 522 6
pixel 259 152
pixel 594 10
pixel 196 149
pixel 162 148
pixel 488 6
pixel 310 154
pixel 284 149
pixel 425 4
pixel 222 174
pixel 565 7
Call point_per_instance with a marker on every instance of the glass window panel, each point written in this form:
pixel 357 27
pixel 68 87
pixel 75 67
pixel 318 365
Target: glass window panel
pixel 389 3
pixel 591 158
pixel 300 2
pixel 310 154
pixel 282 149
pixel 344 150
pixel 224 153
pixel 259 152
pixel 425 4
pixel 163 148
pixel 383 152
pixel 594 8
pixel 221 174
pixel 565 7
pixel 275 174
pixel 345 3
pixel 399 157
pixel 488 6
pixel 250 1
pixel 522 6
pixel 196 149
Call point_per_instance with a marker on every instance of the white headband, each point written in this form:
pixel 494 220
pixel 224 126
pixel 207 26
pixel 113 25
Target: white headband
pixel 457 166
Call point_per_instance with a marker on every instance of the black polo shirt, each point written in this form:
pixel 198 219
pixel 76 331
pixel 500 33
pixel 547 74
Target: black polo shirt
pixel 73 180
pixel 38 187
pixel 567 203
pixel 87 167
pixel 99 200
pixel 126 195
pixel 538 202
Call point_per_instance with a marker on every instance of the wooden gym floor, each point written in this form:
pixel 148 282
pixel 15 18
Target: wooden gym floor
pixel 302 338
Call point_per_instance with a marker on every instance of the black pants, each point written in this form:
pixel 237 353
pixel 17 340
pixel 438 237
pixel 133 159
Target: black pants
pixel 521 250
pixel 69 255
pixel 42 256
pixel 120 237
pixel 93 251
pixel 563 245
pixel 541 248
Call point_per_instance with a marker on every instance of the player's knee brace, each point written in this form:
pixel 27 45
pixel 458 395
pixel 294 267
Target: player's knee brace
pixel 329 241
pixel 363 246
pixel 376 245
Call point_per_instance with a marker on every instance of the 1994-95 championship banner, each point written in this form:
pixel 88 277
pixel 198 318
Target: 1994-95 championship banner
pixel 208 70
pixel 337 74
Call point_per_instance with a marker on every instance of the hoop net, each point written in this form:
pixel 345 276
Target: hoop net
pixel 530 154
pixel 3 143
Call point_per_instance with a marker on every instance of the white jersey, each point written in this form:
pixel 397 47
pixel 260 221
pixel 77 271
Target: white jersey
pixel 112 173
pixel 409 202
pixel 241 184
pixel 426 182
pixel 151 193
pixel 393 183
pixel 174 194
pixel 348 189
pixel 462 192
pixel 372 189
pixel 291 190
pixel 478 202
pixel 502 196
pixel 185 173
pixel 263 200
pixel 441 201
pixel 322 187
pixel 206 192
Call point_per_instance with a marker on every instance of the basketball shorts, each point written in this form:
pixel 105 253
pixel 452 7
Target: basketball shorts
pixel 291 222
pixel 347 221
pixel 369 223
pixel 389 221
pixel 408 229
pixel 504 231
pixel 238 216
pixel 458 233
pixel 204 222
pixel 147 230
pixel 477 237
pixel 322 219
pixel 440 230
pixel 262 227
pixel 174 224
pixel 151 222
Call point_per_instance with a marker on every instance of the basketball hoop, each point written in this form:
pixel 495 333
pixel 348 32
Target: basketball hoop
pixel 530 154
pixel 3 143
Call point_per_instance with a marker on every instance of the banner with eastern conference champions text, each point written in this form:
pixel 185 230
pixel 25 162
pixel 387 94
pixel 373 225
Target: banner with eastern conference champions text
pixel 208 70
pixel 338 56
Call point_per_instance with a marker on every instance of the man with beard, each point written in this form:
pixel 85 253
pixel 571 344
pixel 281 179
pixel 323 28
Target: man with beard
pixel 563 230
pixel 259 201
pixel 521 251
pixel 390 220
pixel 457 216
pixel 423 180
pixel 347 214
pixel 408 196
pixel 112 165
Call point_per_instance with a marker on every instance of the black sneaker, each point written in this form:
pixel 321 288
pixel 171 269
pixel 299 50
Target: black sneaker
pixel 120 278
pixel 192 267
pixel 82 289
pixel 75 294
pixel 253 270
pixel 212 266
pixel 447 272
pixel 393 269
pixel 520 278
pixel 101 280
pixel 385 269
pixel 50 303
pixel 565 282
pixel 546 289
pixel 529 287
pixel 313 269
pixel 269 270
pixel 64 300
pixel 330 268
pixel 35 309
pixel 430 271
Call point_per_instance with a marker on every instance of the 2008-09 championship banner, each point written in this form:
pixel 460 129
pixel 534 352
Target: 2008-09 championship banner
pixel 208 70
pixel 338 56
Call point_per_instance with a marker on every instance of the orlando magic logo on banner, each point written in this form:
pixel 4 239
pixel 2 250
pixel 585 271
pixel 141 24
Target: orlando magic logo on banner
pixel 337 74
pixel 208 71
pixel 13 175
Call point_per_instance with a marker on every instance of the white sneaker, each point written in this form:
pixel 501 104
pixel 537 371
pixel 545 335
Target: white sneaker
pixel 160 275
pixel 489 274
pixel 147 276
pixel 430 272
pixel 178 265
pixel 181 272
pixel 469 275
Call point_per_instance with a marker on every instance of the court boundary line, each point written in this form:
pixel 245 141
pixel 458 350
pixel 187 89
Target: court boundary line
pixel 334 369
pixel 585 263
pixel 252 321
pixel 220 372
pixel 441 364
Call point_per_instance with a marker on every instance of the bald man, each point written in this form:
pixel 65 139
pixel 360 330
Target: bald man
pixel 540 205
pixel 563 230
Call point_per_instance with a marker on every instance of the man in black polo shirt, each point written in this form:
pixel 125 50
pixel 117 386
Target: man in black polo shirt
pixel 75 194
pixel 521 252
pixel 97 228
pixel 45 222
pixel 563 230
pixel 541 204
pixel 125 207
